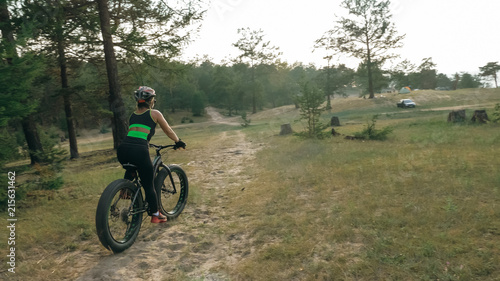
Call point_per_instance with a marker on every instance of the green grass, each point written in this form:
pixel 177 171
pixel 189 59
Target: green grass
pixel 387 210
pixel 422 205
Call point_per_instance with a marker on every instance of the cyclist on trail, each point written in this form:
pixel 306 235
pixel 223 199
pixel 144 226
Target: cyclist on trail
pixel 134 149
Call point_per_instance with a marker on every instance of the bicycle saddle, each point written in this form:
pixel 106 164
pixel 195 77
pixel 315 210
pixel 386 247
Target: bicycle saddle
pixel 129 166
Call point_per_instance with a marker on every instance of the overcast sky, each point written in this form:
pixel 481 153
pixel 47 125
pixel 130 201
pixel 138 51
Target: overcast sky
pixel 459 35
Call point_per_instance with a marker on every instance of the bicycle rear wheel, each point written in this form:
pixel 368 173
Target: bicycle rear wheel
pixel 118 221
pixel 172 191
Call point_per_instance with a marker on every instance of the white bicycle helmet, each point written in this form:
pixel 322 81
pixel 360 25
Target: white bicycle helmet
pixel 143 94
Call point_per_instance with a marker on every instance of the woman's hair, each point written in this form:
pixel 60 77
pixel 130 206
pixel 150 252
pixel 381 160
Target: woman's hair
pixel 144 97
pixel 146 104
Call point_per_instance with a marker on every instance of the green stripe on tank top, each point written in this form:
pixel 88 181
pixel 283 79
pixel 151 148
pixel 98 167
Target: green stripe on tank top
pixel 139 126
pixel 137 134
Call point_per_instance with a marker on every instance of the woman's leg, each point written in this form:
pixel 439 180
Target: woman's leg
pixel 146 174
pixel 139 156
pixel 124 157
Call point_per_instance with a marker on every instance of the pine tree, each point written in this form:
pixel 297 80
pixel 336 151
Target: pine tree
pixel 367 33
pixel 490 69
pixel 141 30
pixel 16 77
pixel 58 29
pixel 310 101
pixel 255 51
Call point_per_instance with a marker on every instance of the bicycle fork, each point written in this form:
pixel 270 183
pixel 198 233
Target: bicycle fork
pixel 174 190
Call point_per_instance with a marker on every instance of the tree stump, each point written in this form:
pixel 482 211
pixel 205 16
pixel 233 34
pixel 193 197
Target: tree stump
pixel 335 133
pixel 286 129
pixel 335 121
pixel 456 116
pixel 480 116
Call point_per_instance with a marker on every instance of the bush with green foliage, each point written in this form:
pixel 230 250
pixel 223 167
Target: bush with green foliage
pixel 8 146
pixel 20 193
pixel 310 102
pixel 246 122
pixel 496 114
pixel 371 133
pixel 186 120
pixel 49 177
pixel 48 173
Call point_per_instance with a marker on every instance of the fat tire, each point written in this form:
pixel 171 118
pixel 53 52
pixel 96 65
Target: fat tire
pixel 162 192
pixel 103 213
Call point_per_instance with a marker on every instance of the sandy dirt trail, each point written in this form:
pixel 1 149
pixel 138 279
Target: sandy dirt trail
pixel 189 247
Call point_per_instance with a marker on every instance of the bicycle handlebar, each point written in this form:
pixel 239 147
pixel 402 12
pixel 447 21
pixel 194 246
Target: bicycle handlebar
pixel 161 147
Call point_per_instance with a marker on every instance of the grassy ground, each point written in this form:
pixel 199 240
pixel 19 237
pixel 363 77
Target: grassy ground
pixel 423 205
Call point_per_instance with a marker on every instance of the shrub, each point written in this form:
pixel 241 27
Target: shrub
pixel 186 119
pixel 104 129
pixel 318 133
pixel 496 114
pixel 246 122
pixel 371 133
pixel 20 194
pixel 48 178
pixel 310 101
pixel 49 171
pixel 8 146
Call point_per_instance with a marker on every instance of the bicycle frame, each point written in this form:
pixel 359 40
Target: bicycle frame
pixel 144 209
pixel 136 194
pixel 158 162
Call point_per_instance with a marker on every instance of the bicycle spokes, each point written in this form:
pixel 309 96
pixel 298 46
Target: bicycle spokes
pixel 170 189
pixel 173 190
pixel 125 194
pixel 123 216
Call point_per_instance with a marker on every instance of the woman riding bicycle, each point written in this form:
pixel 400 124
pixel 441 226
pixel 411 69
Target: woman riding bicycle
pixel 134 149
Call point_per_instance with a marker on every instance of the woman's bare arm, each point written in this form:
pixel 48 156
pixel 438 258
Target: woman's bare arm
pixel 158 118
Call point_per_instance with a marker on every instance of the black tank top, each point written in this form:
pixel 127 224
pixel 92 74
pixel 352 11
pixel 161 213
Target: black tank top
pixel 144 121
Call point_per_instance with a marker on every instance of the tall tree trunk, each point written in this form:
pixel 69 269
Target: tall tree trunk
pixel 171 91
pixel 73 146
pixel 254 89
pixel 32 139
pixel 7 32
pixel 116 105
pixel 369 68
pixel 328 88
pixel 28 123
pixel 454 86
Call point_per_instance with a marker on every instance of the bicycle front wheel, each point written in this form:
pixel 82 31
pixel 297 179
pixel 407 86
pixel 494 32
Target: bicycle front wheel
pixel 172 190
pixel 118 220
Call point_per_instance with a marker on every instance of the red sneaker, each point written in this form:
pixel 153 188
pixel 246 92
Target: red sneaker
pixel 158 219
